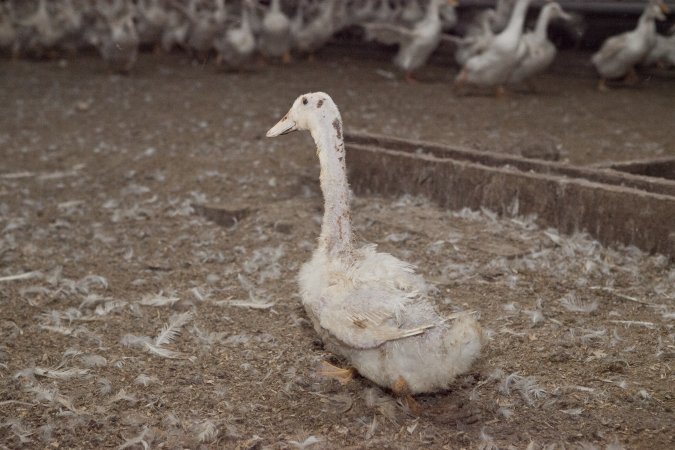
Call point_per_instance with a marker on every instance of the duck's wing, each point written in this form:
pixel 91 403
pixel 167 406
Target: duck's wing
pixel 388 34
pixel 364 319
pixel 611 48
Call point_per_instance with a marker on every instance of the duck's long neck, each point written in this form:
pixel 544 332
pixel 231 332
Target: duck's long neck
pixel 336 229
pixel 515 26
pixel 540 31
pixel 647 22
pixel 432 11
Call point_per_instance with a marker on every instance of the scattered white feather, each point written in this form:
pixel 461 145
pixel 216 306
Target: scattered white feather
pixel 52 396
pixel 526 386
pixel 123 396
pixel 573 411
pixel 159 300
pixel 89 281
pixel 170 420
pixel 21 431
pixel 637 323
pixel 571 303
pixel 486 441
pixel 252 304
pixel 144 380
pixel 131 340
pixel 142 439
pixel 105 386
pixel 57 374
pixel 172 329
pixel 161 351
pixel 205 431
pixel 307 443
pixel 21 276
pixel 93 360
pixel 109 306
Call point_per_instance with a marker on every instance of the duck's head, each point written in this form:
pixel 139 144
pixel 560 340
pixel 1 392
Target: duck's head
pixel 658 9
pixel 309 112
pixel 557 11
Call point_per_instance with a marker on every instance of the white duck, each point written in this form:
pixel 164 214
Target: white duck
pixel 476 41
pixel 205 23
pixel 663 52
pixel 369 307
pixel 275 37
pixel 236 45
pixel 494 65
pixel 153 17
pixel 309 36
pixel 619 54
pixel 416 44
pixel 176 31
pixel 536 50
pixel 45 33
pixel 117 40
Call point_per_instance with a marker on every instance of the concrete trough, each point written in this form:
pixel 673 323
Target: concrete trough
pixel 615 207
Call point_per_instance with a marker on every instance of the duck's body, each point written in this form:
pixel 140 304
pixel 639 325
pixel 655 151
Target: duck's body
pixel 153 19
pixel 663 52
pixel 536 50
pixel 275 38
pixel 476 41
pixel 309 36
pixel 236 46
pixel 416 44
pixel 117 41
pixel 619 54
pixel 204 27
pixel 44 32
pixel 494 65
pixel 370 307
pixel 176 31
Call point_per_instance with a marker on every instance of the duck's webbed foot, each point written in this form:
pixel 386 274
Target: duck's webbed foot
pixel 286 58
pixel 344 376
pixel 401 389
pixel 602 85
pixel 409 78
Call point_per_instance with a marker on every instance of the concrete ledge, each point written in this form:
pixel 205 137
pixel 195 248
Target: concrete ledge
pixel 614 207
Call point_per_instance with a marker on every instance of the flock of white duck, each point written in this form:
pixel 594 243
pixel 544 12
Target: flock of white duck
pixel 494 50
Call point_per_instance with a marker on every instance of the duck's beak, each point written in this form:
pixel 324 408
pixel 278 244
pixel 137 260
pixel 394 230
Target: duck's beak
pixel 564 16
pixel 664 8
pixel 284 126
pixel 453 2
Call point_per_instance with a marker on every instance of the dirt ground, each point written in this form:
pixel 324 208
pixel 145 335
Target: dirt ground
pixel 130 329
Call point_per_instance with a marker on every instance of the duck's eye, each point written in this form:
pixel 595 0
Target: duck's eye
pixel 304 100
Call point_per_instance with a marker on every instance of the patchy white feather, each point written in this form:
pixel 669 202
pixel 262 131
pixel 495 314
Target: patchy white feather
pixel 57 374
pixel 307 443
pixel 109 306
pixel 145 380
pixel 123 396
pixel 105 386
pixel 173 328
pixel 93 360
pixel 159 300
pixel 161 351
pixel 571 303
pixel 205 431
pixel 143 439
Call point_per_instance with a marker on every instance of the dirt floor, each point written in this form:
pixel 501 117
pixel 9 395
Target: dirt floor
pixel 129 328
